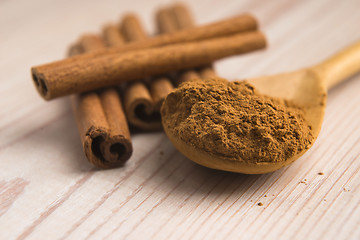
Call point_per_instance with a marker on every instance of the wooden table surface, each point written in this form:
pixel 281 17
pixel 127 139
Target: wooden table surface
pixel 48 190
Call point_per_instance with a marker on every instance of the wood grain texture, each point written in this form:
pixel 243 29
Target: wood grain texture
pixel 49 191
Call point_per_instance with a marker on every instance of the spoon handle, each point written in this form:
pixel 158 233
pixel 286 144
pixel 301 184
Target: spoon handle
pixel 340 66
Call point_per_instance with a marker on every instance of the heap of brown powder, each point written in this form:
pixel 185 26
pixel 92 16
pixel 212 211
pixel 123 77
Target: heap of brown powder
pixel 234 121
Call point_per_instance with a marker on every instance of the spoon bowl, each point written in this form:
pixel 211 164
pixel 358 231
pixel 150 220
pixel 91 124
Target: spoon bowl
pixel 306 88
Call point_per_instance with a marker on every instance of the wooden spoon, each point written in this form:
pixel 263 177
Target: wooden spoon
pixel 307 87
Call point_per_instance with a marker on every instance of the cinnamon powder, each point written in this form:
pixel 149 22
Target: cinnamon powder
pixel 233 120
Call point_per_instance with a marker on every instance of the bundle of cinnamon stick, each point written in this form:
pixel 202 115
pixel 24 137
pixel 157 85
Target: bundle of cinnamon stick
pixel 97 64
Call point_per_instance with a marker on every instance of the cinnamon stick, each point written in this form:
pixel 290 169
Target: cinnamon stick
pixel 183 19
pixel 174 18
pixel 141 105
pixel 165 21
pixel 112 36
pixel 109 70
pixel 138 103
pixel 237 24
pixel 188 76
pixel 160 87
pixel 100 118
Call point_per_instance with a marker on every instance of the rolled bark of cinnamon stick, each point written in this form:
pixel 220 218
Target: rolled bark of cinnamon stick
pixel 113 69
pixel 167 18
pixel 184 19
pixel 112 36
pixel 165 21
pixel 188 75
pixel 237 24
pixel 138 92
pixel 100 118
pixel 138 102
pixel 160 87
pixel 142 105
